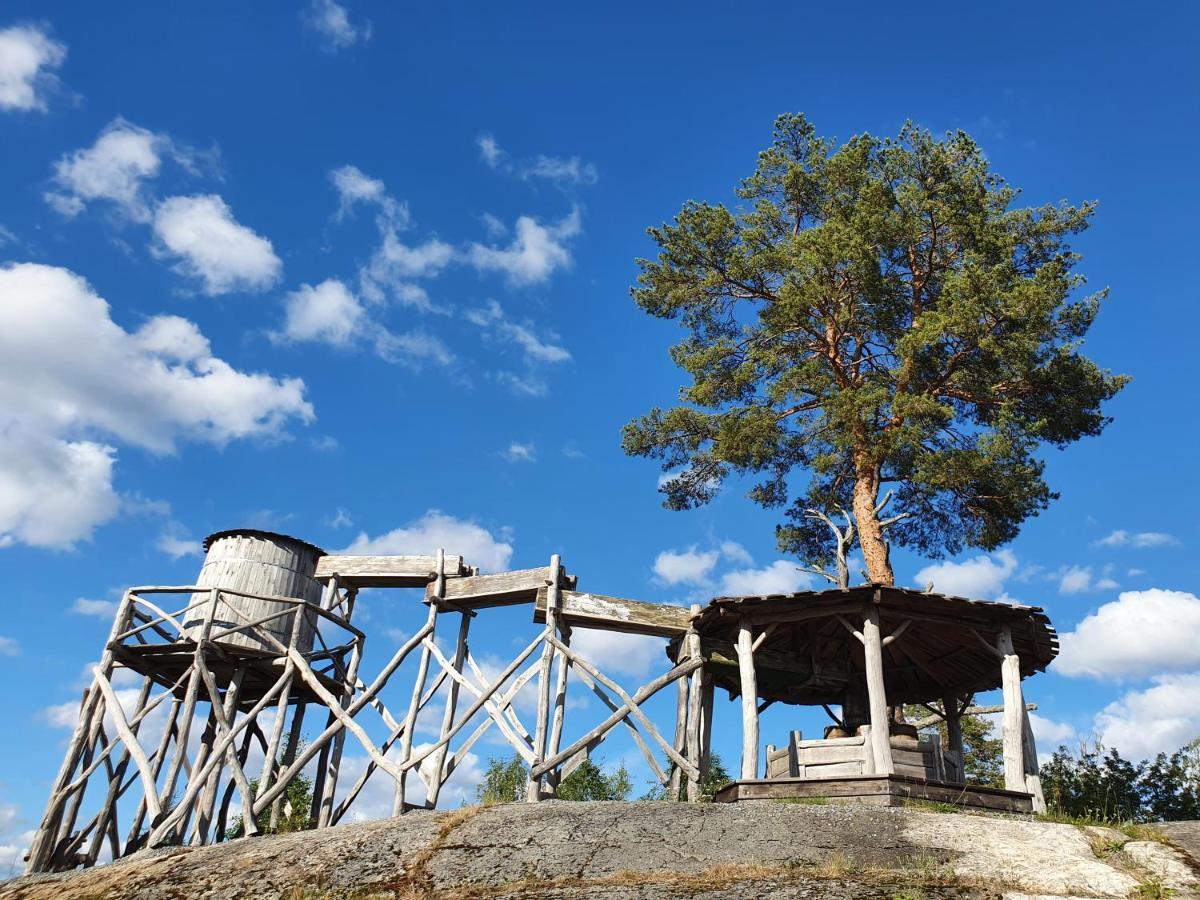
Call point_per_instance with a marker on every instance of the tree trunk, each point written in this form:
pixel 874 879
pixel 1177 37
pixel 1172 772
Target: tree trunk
pixel 870 534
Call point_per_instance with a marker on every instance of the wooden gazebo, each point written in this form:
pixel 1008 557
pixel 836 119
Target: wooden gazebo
pixel 866 650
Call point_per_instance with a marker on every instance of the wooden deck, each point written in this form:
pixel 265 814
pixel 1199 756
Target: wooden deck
pixel 876 790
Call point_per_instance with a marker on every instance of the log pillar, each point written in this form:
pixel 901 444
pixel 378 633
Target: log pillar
pixel 692 640
pixel 954 736
pixel 533 787
pixel 1020 754
pixel 745 649
pixel 881 743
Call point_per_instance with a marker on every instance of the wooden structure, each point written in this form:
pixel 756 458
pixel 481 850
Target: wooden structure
pixel 262 664
pixel 868 650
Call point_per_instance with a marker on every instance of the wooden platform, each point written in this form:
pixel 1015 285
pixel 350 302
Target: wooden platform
pixel 876 790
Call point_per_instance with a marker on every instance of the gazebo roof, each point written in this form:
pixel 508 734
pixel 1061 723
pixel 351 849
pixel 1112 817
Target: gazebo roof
pixel 809 653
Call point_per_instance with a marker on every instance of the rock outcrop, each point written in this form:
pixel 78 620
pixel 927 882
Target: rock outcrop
pixel 604 851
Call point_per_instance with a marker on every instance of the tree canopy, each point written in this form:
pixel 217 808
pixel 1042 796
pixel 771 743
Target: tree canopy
pixel 880 316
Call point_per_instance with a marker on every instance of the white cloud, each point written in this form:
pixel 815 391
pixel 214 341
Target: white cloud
pixel 115 168
pixel 686 566
pixel 1159 719
pixel 536 349
pixel 1138 634
pixel 980 577
pixel 174 545
pixel 213 246
pixel 571 450
pixel 518 452
pixel 27 56
pixel 9 647
pixel 436 529
pixel 534 254
pixel 341 519
pixel 331 23
pixel 490 151
pixel 780 577
pixel 101 609
pixel 735 552
pixel 394 264
pixel 354 187
pixel 1049 734
pixel 563 171
pixel 526 385
pixel 1135 573
pixel 1139 539
pixel 68 372
pixel 612 652
pixel 1075 580
pixel 328 313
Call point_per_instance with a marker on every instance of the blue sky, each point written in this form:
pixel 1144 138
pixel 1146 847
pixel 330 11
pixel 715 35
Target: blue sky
pixel 367 283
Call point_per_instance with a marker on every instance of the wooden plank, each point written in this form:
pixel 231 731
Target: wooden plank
pixel 617 614
pixel 833 770
pixel 876 790
pixel 501 588
pixel 385 571
pixel 816 756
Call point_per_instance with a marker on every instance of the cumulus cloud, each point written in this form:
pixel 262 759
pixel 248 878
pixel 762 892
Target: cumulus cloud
pixel 1159 719
pixel 28 58
pixel 9 647
pixel 1140 539
pixel 614 653
pixel 536 251
pixel 435 529
pixel 980 577
pixel 211 245
pixel 490 151
pixel 331 23
pixel 685 566
pixel 1138 634
pixel 780 577
pixel 330 313
pixel 175 545
pixel 69 373
pixel 115 168
pixel 1049 734
pixel 356 187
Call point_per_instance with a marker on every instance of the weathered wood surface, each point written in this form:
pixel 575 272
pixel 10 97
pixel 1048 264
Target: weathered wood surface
pixel 617 614
pixel 501 588
pixel 385 571
pixel 749 701
pixel 891 790
pixel 876 697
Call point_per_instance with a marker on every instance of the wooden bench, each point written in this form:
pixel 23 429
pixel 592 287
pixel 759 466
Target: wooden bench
pixel 915 757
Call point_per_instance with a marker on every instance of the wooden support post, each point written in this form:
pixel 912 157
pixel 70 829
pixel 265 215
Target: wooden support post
pixel 1033 778
pixel 1014 704
pixel 414 706
pixel 881 743
pixel 749 700
pixel 692 639
pixel 334 763
pixel 706 716
pixel 560 705
pixel 160 757
pixel 681 737
pixel 439 758
pixel 533 787
pixel 954 737
pixel 224 710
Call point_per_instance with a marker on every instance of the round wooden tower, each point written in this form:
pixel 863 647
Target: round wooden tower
pixel 249 566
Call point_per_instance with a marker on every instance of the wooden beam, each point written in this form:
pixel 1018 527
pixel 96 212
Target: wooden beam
pixel 1014 706
pixel 501 588
pixel 385 571
pixel 617 614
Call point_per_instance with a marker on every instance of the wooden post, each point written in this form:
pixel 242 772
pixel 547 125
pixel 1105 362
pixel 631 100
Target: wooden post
pixel 1033 778
pixel 533 787
pixel 560 704
pixel 460 656
pixel 414 706
pixel 289 756
pixel 693 711
pixel 1014 712
pixel 881 743
pixel 745 650
pixel 679 743
pixel 208 799
pixel 954 737
pixel 706 716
